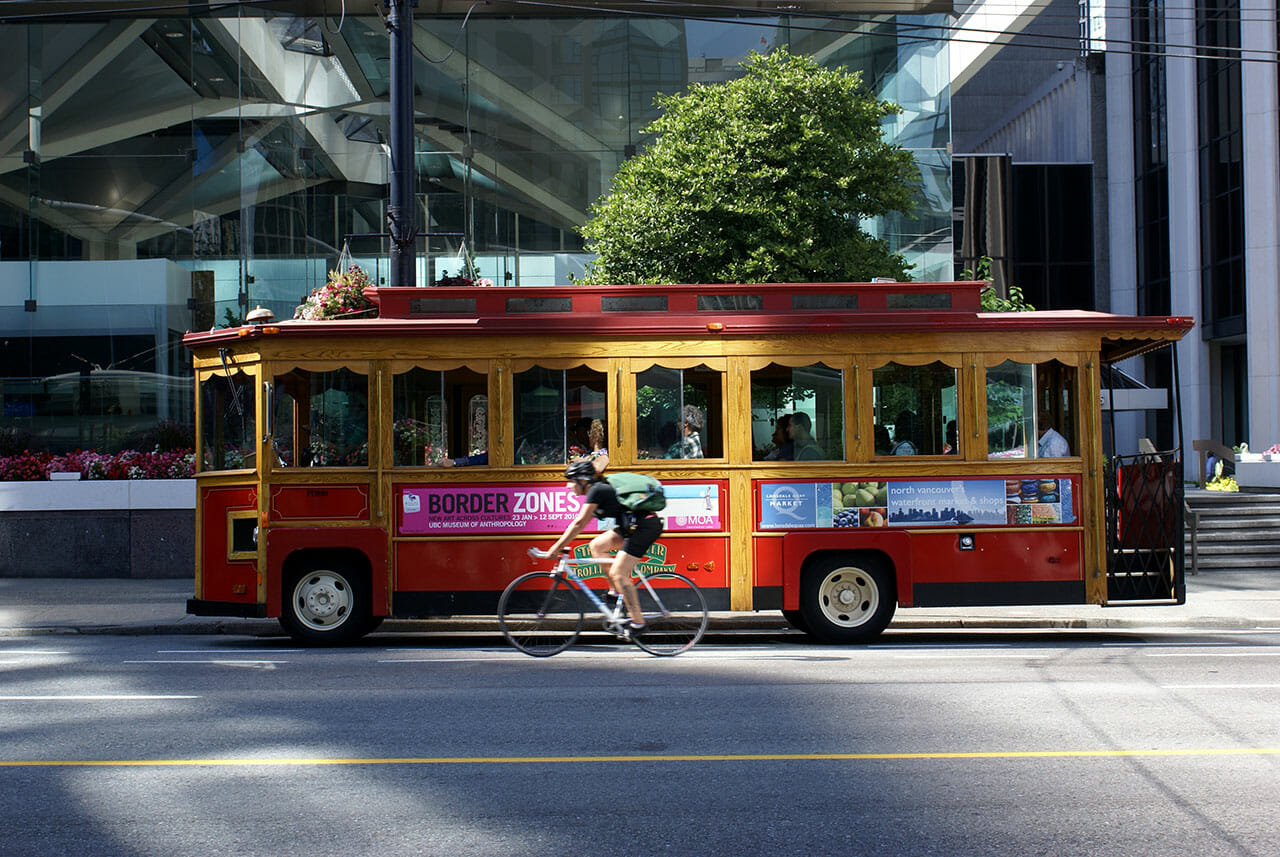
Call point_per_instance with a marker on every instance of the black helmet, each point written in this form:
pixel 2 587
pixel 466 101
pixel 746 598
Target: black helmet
pixel 580 470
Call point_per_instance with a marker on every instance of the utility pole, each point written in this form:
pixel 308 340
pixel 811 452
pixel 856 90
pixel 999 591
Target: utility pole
pixel 401 211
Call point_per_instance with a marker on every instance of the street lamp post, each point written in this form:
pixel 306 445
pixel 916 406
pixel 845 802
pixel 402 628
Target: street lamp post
pixel 401 214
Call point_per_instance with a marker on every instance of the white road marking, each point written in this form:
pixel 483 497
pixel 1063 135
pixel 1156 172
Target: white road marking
pixel 236 652
pixel 225 661
pixel 1219 686
pixel 1274 654
pixel 92 697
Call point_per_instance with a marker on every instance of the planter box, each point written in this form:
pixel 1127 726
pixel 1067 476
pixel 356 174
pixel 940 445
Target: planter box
pixel 1258 474
pixel 142 528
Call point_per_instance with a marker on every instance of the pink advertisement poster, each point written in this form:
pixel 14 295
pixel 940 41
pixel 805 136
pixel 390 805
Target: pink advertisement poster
pixel 535 508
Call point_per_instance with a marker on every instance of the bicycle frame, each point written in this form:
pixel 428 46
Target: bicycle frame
pixel 612 616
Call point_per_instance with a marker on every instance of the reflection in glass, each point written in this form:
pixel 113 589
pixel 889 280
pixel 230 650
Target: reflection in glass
pixel 809 402
pixel 914 410
pixel 321 419
pixel 1010 409
pixel 678 413
pixel 227 422
pixel 439 418
pixel 548 402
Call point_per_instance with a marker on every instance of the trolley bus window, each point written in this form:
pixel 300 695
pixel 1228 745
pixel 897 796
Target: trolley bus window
pixel 915 409
pixel 321 419
pixel 440 418
pixel 678 413
pixel 810 402
pixel 1030 410
pixel 227 426
pixel 547 403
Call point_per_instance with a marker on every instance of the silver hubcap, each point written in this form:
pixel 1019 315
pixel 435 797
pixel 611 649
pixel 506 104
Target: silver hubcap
pixel 322 600
pixel 848 597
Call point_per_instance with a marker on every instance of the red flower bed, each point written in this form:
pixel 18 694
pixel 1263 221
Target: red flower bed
pixel 130 464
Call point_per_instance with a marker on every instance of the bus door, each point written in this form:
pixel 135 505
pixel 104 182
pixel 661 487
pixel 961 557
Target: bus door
pixel 1145 528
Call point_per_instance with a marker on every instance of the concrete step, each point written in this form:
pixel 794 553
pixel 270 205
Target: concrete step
pixel 1223 563
pixel 1236 534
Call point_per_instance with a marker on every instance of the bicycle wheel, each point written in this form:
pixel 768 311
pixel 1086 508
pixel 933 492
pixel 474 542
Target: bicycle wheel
pixel 540 613
pixel 676 619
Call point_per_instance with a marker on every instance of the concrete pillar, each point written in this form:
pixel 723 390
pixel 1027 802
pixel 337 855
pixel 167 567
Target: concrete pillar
pixel 1261 231
pixel 1184 219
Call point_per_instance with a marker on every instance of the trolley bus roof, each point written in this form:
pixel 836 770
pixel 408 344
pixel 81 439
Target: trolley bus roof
pixel 712 311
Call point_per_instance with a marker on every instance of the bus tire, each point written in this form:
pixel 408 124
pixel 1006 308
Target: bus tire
pixel 847 598
pixel 327 606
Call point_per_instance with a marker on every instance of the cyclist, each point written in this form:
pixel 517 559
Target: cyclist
pixel 631 537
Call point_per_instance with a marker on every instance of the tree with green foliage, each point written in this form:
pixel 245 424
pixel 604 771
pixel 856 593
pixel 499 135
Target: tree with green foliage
pixel 991 299
pixel 761 179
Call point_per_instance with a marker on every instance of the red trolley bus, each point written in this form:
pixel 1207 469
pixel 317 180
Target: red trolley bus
pixel 832 451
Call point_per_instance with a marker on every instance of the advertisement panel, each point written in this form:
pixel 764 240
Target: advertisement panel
pixel 916 503
pixel 536 508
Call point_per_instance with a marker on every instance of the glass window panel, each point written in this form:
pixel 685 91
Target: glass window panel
pixel 914 409
pixel 227 423
pixel 321 419
pixel 1026 401
pixel 1055 410
pixel 440 418
pixel 548 404
pixel 1010 409
pixel 797 414
pixel 679 413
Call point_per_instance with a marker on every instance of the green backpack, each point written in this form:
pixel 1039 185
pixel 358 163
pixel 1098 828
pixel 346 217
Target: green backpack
pixel 637 492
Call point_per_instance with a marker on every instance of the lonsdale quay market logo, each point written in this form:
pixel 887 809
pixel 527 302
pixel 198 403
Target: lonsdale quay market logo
pixel 786 502
pixel 653 563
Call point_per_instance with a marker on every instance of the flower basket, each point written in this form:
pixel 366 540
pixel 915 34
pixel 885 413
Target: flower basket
pixel 342 296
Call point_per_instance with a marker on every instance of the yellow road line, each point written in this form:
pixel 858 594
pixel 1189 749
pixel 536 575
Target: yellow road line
pixel 673 757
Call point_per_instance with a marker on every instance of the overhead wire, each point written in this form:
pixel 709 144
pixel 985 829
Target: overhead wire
pixel 905 30
pixel 1004 37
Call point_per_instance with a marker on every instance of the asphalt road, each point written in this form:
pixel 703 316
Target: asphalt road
pixel 948 743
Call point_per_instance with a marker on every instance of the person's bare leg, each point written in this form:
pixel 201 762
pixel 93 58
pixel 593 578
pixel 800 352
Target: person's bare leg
pixel 620 577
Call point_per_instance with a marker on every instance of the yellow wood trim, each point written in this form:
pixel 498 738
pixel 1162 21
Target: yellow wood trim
pixel 991 359
pixel 377 420
pixel 974 445
pixel 856 436
pixel 620 435
pixel 1095 547
pixel 671 361
pixel 953 360
pixel 741 566
pixel 499 421
pixel 524 364
pixel 398 367
pixel 737 411
pixel 792 361
pixel 240 515
pixel 284 367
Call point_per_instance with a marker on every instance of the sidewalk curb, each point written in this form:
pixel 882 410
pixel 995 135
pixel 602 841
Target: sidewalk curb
pixel 271 628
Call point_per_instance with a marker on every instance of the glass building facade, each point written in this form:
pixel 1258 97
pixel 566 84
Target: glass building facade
pixel 166 173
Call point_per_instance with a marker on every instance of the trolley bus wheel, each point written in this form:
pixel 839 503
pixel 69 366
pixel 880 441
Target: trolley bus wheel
pixel 848 598
pixel 327 606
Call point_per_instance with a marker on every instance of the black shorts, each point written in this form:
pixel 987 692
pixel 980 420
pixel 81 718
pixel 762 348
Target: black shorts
pixel 643 534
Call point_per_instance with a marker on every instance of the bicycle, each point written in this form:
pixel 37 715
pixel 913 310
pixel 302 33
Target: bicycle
pixel 541 613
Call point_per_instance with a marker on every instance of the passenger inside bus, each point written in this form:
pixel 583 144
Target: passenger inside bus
pixel 905 435
pixel 1051 444
pixel 884 445
pixel 783 447
pixel 690 445
pixel 588 443
pixel 806 448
